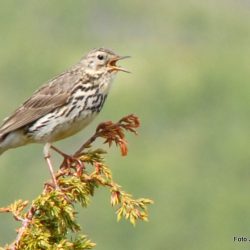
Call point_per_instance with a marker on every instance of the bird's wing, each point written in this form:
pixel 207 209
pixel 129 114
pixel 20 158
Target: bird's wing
pixel 44 100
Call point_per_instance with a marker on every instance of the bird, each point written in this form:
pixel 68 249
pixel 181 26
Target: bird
pixel 64 105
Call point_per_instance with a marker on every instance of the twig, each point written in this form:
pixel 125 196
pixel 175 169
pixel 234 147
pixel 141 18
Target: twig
pixel 86 144
pixel 113 132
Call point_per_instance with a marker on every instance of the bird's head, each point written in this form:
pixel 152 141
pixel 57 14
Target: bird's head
pixel 103 60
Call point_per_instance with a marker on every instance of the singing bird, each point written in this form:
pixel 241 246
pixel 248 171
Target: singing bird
pixel 64 105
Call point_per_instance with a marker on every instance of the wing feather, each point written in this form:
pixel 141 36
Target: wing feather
pixel 50 96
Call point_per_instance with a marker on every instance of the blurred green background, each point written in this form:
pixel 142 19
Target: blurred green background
pixel 190 86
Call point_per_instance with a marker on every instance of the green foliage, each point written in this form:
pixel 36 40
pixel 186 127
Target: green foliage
pixel 51 220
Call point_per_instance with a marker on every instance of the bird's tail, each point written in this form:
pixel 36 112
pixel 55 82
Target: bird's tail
pixel 11 140
pixel 2 148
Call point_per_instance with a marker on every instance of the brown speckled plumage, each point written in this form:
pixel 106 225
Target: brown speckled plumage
pixel 89 79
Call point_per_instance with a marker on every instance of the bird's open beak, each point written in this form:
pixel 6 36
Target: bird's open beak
pixel 112 64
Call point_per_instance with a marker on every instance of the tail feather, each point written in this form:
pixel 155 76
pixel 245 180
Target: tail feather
pixel 2 148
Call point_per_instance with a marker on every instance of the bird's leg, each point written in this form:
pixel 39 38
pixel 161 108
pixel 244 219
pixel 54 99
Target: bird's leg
pixel 59 151
pixel 68 159
pixel 47 158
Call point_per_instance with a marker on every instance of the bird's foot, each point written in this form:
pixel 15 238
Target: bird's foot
pixel 70 162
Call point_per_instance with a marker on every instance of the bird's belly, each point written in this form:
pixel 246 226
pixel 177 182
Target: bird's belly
pixel 67 120
pixel 70 128
pixel 59 128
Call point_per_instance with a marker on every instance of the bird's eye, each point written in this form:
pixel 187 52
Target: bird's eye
pixel 100 57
